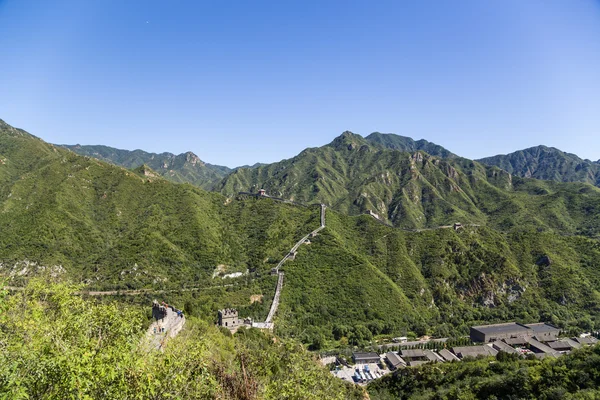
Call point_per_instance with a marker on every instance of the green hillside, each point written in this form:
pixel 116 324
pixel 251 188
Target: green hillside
pixel 115 228
pixel 185 167
pixel 417 190
pixel 56 345
pixel 528 249
pixel 403 143
pixel 547 163
pixel 359 279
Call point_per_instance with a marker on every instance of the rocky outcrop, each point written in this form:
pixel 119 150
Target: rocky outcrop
pixel 486 291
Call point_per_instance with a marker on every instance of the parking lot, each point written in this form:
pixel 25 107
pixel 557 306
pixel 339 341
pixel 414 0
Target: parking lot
pixel 347 373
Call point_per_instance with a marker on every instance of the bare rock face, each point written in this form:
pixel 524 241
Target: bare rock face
pixel 6 128
pixel 488 292
pixel 193 159
pixel 451 172
pixel 148 172
pixel 417 157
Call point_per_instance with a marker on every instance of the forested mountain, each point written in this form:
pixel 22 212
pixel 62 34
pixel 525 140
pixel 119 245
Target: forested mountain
pixel 360 273
pixel 185 167
pixel 415 190
pixel 528 249
pixel 403 143
pixel 117 228
pixel 547 163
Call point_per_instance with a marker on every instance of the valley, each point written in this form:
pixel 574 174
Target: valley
pixel 291 200
pixel 392 242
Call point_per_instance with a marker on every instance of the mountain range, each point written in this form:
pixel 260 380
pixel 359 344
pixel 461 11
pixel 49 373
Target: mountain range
pixel 547 163
pixel 528 248
pixel 316 175
pixel 185 167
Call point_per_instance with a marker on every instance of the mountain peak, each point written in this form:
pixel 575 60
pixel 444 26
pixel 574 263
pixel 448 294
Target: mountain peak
pixel 193 158
pixel 146 171
pixel 185 167
pixel 547 163
pixel 404 143
pixel 348 140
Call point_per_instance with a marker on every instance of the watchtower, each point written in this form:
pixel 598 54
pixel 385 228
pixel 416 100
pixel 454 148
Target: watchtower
pixel 228 318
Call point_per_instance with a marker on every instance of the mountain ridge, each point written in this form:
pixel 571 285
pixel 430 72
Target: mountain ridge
pixel 179 168
pixel 405 143
pixel 547 163
pixel 410 190
pixel 119 229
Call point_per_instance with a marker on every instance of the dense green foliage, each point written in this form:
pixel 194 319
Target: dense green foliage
pixel 547 163
pixel 417 190
pixel 182 168
pixel 533 258
pixel 574 376
pixel 56 345
pixel 359 279
pixel 403 143
pixel 529 252
pixel 116 229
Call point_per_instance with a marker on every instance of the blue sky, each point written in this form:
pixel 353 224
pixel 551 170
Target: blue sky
pixel 239 82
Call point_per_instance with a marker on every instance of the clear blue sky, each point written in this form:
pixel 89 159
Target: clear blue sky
pixel 239 82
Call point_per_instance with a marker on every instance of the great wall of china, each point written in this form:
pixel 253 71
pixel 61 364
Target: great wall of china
pixel 269 324
pixel 168 322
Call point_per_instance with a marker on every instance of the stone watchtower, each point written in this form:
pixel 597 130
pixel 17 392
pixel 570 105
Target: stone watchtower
pixel 228 318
